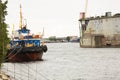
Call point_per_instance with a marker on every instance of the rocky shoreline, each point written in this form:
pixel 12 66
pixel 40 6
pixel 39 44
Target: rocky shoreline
pixel 4 76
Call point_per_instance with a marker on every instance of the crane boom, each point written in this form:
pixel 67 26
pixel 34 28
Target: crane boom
pixel 21 17
pixel 86 5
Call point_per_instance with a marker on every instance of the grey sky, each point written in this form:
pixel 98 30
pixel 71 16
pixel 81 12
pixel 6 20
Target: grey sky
pixel 58 17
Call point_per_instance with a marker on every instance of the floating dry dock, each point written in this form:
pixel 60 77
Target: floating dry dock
pixel 100 31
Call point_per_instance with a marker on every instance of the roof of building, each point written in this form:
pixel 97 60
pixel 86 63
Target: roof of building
pixel 101 17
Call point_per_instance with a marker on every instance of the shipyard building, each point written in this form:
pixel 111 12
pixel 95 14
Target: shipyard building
pixel 100 31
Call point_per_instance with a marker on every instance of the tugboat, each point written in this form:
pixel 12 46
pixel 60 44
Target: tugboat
pixel 25 46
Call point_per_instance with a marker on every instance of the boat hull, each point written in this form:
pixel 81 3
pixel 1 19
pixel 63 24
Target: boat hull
pixel 24 54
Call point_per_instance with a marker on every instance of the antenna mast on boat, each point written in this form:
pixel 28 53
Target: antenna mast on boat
pixel 13 29
pixel 43 32
pixel 20 16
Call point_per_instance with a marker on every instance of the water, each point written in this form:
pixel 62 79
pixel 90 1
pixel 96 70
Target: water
pixel 67 61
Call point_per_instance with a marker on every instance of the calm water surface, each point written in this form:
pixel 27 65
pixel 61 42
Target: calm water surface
pixel 67 61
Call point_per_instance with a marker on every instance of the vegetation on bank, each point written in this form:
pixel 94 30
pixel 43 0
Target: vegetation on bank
pixel 4 40
pixel 54 39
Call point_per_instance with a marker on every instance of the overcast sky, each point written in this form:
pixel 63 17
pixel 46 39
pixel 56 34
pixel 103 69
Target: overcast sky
pixel 58 17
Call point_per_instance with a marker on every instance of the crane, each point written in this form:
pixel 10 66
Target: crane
pixel 86 5
pixel 21 17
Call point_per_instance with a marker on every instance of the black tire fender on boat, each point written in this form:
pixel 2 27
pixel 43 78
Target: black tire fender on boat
pixel 44 48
